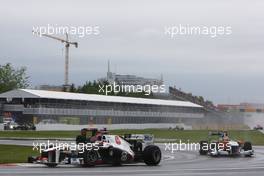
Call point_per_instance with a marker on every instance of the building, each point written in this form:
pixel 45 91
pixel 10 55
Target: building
pixel 242 107
pixel 40 106
pixel 130 79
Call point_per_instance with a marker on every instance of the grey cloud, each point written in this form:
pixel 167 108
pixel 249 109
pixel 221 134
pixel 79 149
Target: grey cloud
pixel 132 36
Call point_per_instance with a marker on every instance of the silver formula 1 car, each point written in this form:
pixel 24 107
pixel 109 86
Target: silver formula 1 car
pixel 103 148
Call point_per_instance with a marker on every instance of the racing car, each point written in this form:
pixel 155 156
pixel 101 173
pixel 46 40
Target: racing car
pixel 224 145
pixel 258 127
pixel 103 148
pixel 15 126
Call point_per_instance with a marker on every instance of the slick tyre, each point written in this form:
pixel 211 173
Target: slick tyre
pixel 115 154
pixel 90 158
pixel 247 146
pixel 152 155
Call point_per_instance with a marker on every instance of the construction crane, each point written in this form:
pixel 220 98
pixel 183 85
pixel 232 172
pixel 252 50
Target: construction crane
pixel 67 46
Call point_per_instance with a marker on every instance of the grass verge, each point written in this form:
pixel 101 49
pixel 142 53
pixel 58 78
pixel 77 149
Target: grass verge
pixel 15 153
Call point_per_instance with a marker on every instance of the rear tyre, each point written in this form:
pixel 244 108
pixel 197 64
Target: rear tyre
pixel 90 158
pixel 152 155
pixel 234 151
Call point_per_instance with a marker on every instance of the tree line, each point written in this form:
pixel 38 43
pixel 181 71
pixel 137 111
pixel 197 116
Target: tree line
pixel 94 87
pixel 16 78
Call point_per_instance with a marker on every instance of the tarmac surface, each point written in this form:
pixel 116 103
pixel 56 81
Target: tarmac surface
pixel 176 163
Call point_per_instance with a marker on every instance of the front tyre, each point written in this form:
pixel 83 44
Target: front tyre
pixel 115 155
pixel 247 146
pixel 152 155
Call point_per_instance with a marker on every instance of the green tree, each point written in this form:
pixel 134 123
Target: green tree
pixel 12 78
pixel 95 88
pixel 89 88
pixel 72 88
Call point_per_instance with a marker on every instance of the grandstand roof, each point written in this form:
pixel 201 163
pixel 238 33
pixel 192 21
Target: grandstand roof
pixel 30 93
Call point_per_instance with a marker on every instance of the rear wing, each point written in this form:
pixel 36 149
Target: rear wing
pixel 139 137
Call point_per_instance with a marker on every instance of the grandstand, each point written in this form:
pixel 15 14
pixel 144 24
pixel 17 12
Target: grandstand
pixel 40 106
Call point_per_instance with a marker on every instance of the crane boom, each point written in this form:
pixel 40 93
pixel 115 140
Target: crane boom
pixel 67 46
pixel 56 38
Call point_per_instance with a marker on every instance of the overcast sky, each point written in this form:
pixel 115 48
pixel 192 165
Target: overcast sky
pixel 225 69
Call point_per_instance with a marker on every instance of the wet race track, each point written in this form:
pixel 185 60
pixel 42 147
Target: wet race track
pixel 177 163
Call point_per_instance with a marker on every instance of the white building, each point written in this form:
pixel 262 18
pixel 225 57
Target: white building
pixel 27 105
pixel 124 79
